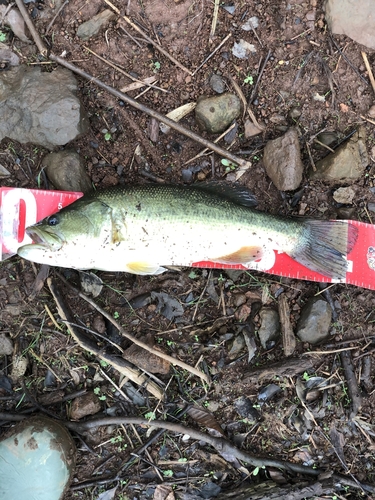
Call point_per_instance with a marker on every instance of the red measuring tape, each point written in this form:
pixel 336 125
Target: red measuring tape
pixel 20 208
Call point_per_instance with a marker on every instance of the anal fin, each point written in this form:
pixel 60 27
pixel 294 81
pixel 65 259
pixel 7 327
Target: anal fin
pixel 241 256
pixel 144 268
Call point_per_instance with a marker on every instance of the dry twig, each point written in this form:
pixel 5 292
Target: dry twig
pixel 36 37
pixel 369 71
pixel 55 16
pixel 289 340
pixel 353 389
pixel 120 70
pixel 214 18
pixel 212 53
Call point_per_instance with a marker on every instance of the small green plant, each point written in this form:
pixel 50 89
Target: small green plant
pixel 150 415
pixel 256 470
pixel 103 363
pixel 119 439
pixel 98 392
pixel 168 473
pixel 249 80
pixel 193 275
pixel 116 315
pixel 3 36
pixel 156 66
pixel 107 136
pixel 229 166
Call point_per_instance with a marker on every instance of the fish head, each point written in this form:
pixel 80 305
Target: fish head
pixel 69 238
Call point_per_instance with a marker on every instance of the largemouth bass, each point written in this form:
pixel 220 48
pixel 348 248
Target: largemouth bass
pixel 141 229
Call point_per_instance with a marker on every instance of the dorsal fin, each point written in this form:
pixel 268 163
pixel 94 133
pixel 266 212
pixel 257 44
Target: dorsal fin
pixel 235 193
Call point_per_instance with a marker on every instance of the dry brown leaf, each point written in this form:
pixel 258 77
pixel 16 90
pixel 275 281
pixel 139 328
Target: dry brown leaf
pixel 204 418
pixel 163 492
pixel 145 360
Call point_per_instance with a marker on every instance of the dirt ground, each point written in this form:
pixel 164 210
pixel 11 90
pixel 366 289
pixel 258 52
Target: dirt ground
pixel 219 311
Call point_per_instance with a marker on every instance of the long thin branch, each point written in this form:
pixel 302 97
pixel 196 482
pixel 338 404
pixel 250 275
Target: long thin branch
pixel 36 37
pixel 222 445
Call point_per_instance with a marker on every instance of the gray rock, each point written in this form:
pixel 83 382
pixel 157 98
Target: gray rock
pixel 217 83
pixel 251 129
pixel 371 111
pixel 6 345
pixel 282 161
pixel 230 9
pixel 4 172
pixel 344 195
pixel 347 162
pixel 7 56
pixel 15 21
pixel 269 327
pixel 41 108
pixel 93 26
pixel 251 23
pixel 245 408
pixel 294 113
pixel 237 345
pixel 85 405
pixel 215 114
pixel 327 138
pixel 314 323
pixel 354 19
pixel 66 171
pixel 243 49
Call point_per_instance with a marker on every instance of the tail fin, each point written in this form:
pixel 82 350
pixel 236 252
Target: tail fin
pixel 324 246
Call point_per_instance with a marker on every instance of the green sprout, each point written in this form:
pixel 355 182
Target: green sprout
pixel 229 166
pixel 156 66
pixel 249 80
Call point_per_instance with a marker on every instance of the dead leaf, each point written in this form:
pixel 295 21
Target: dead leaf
pixel 204 418
pixel 167 305
pixel 145 360
pixel 251 129
pixel 163 492
pixel 153 130
pixel 39 281
pixel 107 495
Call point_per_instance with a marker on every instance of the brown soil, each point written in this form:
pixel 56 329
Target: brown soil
pixel 57 366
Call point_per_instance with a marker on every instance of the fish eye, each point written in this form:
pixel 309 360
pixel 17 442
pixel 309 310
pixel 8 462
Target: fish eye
pixel 53 220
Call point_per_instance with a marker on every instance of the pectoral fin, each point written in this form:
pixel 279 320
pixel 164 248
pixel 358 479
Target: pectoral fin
pixel 241 256
pixel 144 267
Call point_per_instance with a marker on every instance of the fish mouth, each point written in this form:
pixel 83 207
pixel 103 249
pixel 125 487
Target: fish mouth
pixel 44 239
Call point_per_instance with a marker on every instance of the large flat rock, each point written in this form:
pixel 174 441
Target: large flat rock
pixel 40 108
pixel 354 18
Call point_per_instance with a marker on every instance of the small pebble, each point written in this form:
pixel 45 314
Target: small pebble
pixel 217 83
pixel 371 111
